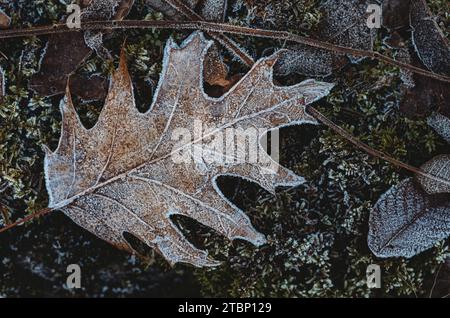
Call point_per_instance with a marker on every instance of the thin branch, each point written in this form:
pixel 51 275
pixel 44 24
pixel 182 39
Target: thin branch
pixel 26 219
pixel 435 280
pixel 373 152
pixel 219 28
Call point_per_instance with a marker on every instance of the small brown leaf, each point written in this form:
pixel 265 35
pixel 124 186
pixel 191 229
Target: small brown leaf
pixel 426 96
pixel 124 9
pixel 439 167
pixel 5 20
pixel 431 45
pixel 88 89
pixel 441 125
pixel 215 71
pixel 406 221
pixel 396 14
pixel 121 175
pixel 215 74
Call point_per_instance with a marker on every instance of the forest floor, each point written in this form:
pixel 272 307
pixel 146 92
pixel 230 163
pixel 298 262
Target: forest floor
pixel 317 232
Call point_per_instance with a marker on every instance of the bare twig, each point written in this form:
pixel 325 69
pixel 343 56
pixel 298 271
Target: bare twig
pixel 435 281
pixel 219 28
pixel 26 219
pixel 373 152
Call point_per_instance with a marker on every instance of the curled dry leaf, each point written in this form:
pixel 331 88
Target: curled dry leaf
pixel 431 45
pixel 60 60
pixel 215 74
pixel 344 23
pixel 406 221
pixel 5 20
pixel 121 176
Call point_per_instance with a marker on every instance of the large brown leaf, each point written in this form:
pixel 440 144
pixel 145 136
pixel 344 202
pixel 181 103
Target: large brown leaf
pixel 120 176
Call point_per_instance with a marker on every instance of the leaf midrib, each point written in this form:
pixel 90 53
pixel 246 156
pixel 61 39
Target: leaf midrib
pixel 67 201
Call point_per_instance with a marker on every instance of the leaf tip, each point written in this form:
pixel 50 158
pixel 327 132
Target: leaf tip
pixel 123 59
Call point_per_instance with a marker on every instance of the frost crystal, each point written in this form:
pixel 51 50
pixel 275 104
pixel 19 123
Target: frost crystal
pixel 214 10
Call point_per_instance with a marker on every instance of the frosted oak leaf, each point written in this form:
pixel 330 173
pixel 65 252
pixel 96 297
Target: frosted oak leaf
pixel 118 177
